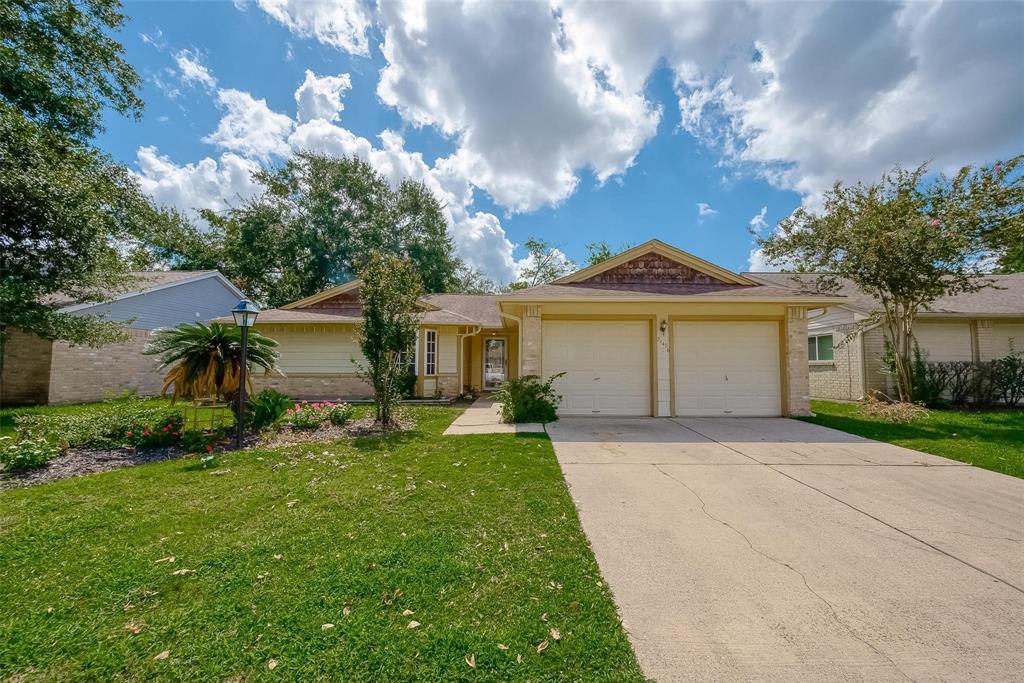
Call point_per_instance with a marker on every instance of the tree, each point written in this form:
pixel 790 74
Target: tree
pixel 471 280
pixel 390 294
pixel 903 240
pixel 544 263
pixel 995 194
pixel 599 252
pixel 67 213
pixel 315 222
pixel 60 67
pixel 206 360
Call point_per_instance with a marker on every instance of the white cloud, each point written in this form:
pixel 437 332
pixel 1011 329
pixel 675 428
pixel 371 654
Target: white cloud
pixel 319 97
pixel 705 210
pixel 249 127
pixel 342 24
pixel 192 70
pixel 526 107
pixel 758 223
pixel 210 184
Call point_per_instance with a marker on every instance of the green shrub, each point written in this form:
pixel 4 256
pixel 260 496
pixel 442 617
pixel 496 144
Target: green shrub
pixel 164 431
pixel 528 399
pixel 983 388
pixel 306 415
pixel 17 455
pixel 339 413
pixel 266 408
pixel 1008 377
pixel 103 427
pixel 197 441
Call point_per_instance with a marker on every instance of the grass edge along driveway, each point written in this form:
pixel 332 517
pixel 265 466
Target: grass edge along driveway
pixel 993 440
pixel 414 556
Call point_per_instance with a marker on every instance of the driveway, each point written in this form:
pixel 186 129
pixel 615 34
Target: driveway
pixel 772 549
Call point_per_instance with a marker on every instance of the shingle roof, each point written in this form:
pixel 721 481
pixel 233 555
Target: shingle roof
pixel 1006 297
pixel 142 280
pixel 452 309
pixel 612 291
pixel 480 308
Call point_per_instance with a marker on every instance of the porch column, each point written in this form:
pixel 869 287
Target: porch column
pixel 532 344
pixel 798 394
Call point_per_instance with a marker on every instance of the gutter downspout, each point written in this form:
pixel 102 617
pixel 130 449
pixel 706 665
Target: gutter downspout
pixel 519 340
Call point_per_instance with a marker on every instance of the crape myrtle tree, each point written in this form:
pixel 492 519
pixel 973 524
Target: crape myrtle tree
pixel 544 263
pixel 906 240
pixel 390 292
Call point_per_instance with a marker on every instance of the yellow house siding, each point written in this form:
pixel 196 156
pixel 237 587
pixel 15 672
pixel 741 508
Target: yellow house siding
pixel 321 349
pixel 447 351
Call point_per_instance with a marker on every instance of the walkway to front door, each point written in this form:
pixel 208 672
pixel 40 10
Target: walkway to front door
pixel 483 417
pixel 770 549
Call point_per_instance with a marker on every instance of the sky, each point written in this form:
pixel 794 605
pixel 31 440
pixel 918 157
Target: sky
pixel 574 122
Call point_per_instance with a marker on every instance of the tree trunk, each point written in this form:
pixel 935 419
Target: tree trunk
pixel 900 324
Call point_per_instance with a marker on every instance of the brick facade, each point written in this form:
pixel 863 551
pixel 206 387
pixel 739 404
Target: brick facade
pixel 79 373
pixel 841 378
pixel 798 393
pixel 315 386
pixel 26 369
pixel 532 363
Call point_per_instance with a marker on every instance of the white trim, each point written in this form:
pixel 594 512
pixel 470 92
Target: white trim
pixel 426 351
pixel 128 295
pixel 816 336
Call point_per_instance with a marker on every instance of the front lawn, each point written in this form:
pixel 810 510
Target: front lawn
pixel 993 440
pixel 8 416
pixel 414 556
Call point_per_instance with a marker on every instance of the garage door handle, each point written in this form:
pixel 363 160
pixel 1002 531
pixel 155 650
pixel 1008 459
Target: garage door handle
pixel 727 378
pixel 596 378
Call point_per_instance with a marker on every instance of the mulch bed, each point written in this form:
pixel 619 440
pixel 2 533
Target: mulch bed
pixel 76 462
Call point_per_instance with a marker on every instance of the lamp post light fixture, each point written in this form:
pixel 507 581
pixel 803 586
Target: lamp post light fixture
pixel 245 314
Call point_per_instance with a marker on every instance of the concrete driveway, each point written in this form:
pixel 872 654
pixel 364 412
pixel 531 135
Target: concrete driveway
pixel 772 549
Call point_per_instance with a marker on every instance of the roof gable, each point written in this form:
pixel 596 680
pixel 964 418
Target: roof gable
pixel 655 263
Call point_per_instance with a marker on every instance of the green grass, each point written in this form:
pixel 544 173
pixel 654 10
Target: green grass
pixel 476 535
pixel 992 440
pixel 9 415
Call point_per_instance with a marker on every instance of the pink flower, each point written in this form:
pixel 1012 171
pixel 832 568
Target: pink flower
pixel 209 448
pixel 290 411
pixel 164 429
pixel 998 168
pixel 129 434
pixel 936 221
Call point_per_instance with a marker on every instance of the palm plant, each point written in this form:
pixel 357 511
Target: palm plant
pixel 204 360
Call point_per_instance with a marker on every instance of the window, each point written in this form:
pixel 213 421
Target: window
pixel 819 347
pixel 430 352
pixel 408 359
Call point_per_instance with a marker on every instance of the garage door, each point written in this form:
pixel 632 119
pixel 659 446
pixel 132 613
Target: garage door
pixel 606 366
pixel 727 368
pixel 944 341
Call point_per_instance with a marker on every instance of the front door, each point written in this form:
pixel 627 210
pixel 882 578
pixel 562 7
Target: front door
pixel 494 363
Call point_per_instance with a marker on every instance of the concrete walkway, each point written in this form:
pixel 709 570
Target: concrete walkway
pixel 484 417
pixel 776 550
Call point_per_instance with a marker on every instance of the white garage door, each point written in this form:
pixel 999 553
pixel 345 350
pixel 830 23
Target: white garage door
pixel 606 365
pixel 727 368
pixel 944 341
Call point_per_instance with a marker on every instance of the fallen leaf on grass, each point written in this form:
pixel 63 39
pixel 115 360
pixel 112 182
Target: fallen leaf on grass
pixel 278 557
pixel 574 605
pixel 347 611
pixel 544 617
pixel 272 664
pixel 49 610
pixel 326 627
pixel 471 661
pixel 169 558
pixel 292 503
pixel 182 572
pixel 543 646
pixel 163 655
pixel 413 624
pixel 556 634
pixel 519 659
pixel 133 627
pixel 407 613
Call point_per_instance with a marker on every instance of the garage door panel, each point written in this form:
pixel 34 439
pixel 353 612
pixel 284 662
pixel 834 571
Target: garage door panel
pixel 607 366
pixel 727 368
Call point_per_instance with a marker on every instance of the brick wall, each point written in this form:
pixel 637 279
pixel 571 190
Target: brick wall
pixel 874 353
pixel 315 385
pixel 79 373
pixel 532 362
pixel 842 377
pixel 26 369
pixel 798 395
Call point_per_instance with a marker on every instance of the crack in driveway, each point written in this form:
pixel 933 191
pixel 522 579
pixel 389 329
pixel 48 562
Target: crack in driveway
pixel 803 577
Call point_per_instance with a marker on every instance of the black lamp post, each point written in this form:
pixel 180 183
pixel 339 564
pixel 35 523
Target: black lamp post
pixel 245 314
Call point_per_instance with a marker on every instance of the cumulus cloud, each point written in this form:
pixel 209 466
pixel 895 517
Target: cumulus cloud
pixel 342 25
pixel 319 97
pixel 526 107
pixel 249 127
pixel 192 70
pixel 758 223
pixel 207 184
pixel 705 210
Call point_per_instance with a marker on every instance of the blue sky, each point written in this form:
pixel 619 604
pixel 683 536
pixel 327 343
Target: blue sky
pixel 574 122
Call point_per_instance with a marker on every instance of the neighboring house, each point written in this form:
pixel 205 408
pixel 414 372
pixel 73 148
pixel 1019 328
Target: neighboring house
pixel 846 359
pixel 652 331
pixel 37 371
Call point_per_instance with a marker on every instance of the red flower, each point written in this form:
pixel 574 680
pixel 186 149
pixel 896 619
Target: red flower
pixel 164 429
pixel 129 434
pixel 209 448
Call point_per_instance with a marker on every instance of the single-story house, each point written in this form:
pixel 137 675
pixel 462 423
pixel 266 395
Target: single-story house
pixel 38 371
pixel 846 359
pixel 653 331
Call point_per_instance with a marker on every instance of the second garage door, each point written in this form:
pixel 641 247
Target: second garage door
pixel 727 368
pixel 606 365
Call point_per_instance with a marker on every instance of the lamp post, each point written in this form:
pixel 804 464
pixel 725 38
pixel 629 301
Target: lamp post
pixel 245 314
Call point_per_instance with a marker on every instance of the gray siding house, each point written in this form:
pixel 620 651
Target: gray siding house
pixel 37 371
